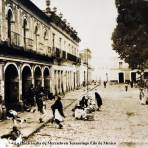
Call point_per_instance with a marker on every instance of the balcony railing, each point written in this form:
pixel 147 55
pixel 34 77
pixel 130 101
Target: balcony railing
pixel 49 51
pixel 41 47
pixel 73 58
pixel 57 53
pixel 15 38
pixel 29 43
pixel 64 54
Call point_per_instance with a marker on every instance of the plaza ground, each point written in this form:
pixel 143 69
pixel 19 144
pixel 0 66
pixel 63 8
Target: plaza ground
pixel 122 122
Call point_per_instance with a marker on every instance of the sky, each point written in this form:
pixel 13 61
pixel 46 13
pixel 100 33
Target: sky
pixel 94 20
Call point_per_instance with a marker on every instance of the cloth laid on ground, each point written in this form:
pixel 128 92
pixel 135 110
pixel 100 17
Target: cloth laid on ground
pixel 79 113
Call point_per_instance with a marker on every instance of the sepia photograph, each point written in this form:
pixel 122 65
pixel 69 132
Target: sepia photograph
pixel 74 73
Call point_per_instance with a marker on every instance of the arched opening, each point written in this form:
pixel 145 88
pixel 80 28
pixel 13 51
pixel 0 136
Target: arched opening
pixel 24 31
pixel 121 77
pixel 26 81
pixel 9 23
pixel 47 79
pixel 36 36
pixel 11 87
pixel 45 35
pixel 133 76
pixel 38 77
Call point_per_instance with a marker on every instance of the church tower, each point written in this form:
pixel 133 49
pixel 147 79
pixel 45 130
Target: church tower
pixel 47 6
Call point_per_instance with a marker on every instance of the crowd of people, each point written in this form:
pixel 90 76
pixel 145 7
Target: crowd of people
pixel 84 109
pixel 86 106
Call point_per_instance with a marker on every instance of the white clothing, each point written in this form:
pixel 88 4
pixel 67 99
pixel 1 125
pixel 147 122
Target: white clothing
pixel 58 116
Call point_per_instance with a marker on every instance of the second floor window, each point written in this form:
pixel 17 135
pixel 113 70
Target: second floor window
pixel 120 64
pixel 9 23
pixel 24 31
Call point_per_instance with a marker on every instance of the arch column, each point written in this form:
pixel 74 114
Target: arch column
pixel 20 83
pixel 64 81
pixel 32 75
pixel 78 78
pixel 56 82
pixel 2 80
pixel 42 78
pixel 52 82
pixel 59 82
pixel 71 83
pixel 74 80
pixel 68 81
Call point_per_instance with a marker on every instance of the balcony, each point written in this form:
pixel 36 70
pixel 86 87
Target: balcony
pixel 29 43
pixel 64 54
pixel 41 47
pixel 57 53
pixel 71 57
pixel 18 46
pixel 15 38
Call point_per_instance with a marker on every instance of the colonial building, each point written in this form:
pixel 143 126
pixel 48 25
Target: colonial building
pixel 85 67
pixel 36 47
pixel 116 70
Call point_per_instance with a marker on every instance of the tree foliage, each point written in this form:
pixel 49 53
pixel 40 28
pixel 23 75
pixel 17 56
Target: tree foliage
pixel 130 37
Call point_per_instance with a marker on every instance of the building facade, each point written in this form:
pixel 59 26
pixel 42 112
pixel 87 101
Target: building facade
pixel 36 48
pixel 86 67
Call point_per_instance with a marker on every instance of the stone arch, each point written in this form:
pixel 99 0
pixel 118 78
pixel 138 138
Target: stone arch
pixel 8 8
pixel 9 17
pixel 25 28
pixel 38 76
pixel 9 63
pixel 36 34
pixel 11 86
pixel 45 33
pixel 26 80
pixel 46 74
pixel 24 65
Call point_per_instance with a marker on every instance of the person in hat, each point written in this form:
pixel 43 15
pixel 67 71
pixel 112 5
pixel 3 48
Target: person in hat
pixel 98 100
pixel 57 109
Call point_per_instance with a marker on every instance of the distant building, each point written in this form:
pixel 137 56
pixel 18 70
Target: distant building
pixel 86 67
pixel 115 69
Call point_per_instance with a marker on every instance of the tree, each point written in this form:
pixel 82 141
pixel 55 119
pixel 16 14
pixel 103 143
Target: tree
pixel 130 37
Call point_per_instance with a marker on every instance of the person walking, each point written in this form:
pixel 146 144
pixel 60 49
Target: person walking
pixel 31 94
pixel 98 100
pixel 104 83
pixel 131 83
pixel 57 109
pixel 40 104
pixel 126 86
